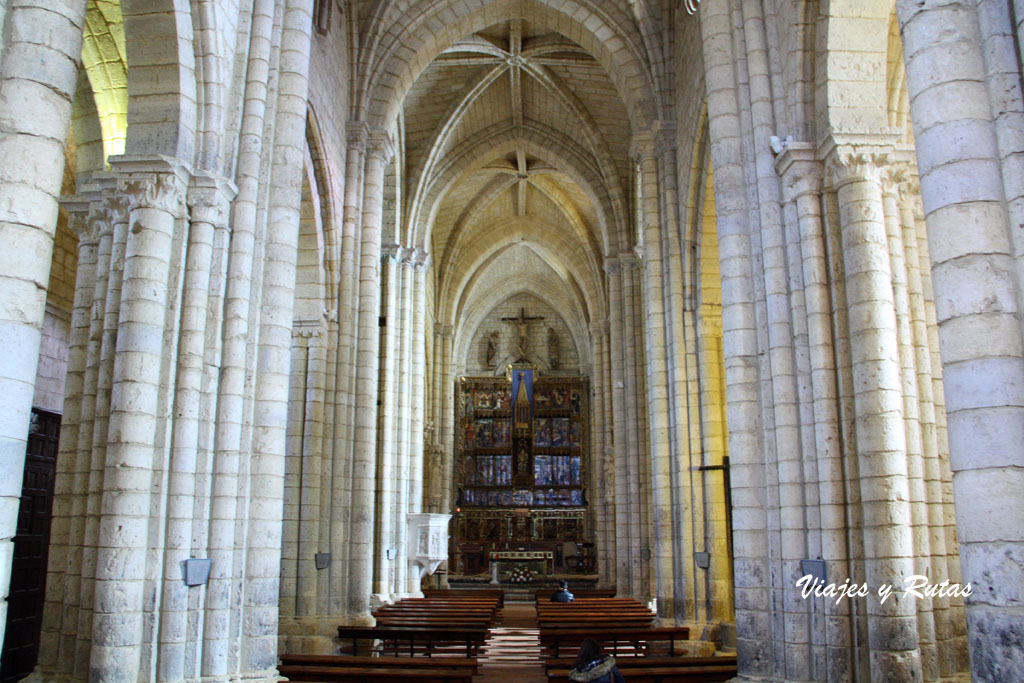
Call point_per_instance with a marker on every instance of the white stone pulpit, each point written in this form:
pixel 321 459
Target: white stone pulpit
pixel 428 542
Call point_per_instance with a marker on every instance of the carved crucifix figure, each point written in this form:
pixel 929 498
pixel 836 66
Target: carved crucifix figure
pixel 521 323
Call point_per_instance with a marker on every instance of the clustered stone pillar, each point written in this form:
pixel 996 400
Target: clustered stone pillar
pixel 660 481
pixel 955 54
pixel 682 438
pixel 385 529
pixel 633 523
pixel 803 180
pixel 400 465
pixel 175 447
pixel 417 452
pixel 879 428
pixel 340 492
pixel 37 84
pixel 157 200
pixel 364 436
pixel 834 393
pixel 602 490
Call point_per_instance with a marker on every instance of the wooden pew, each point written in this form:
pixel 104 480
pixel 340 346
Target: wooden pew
pixel 457 665
pixel 626 663
pixel 676 674
pixel 467 593
pixel 597 621
pixel 412 613
pixel 398 620
pixel 610 637
pixel 543 594
pixel 620 612
pixel 427 636
pixel 381 669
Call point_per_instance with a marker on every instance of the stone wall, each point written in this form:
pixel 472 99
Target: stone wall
pixel 538 346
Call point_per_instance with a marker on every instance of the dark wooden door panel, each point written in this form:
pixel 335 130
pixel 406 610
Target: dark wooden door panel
pixel 28 570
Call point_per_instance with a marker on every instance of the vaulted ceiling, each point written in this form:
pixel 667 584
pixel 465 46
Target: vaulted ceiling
pixel 516 138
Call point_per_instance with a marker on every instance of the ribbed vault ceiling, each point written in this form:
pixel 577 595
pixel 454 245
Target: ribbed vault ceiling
pixel 516 138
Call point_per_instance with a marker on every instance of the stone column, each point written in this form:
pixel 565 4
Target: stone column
pixel 340 492
pixel 802 179
pixel 364 467
pixel 417 472
pixel 132 448
pixel 921 531
pixel 676 268
pixel 978 297
pixel 42 45
pixel 937 496
pixel 447 401
pixel 101 356
pixel 67 526
pixel 620 425
pixel 631 471
pixel 387 466
pixel 740 331
pixel 600 494
pixel 207 211
pixel 878 403
pixel 406 398
pixel 657 377
pixel 219 657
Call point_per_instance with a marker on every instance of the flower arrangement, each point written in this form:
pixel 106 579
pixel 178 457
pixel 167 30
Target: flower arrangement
pixel 520 574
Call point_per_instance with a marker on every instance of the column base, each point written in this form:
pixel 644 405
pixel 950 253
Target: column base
pixel 360 619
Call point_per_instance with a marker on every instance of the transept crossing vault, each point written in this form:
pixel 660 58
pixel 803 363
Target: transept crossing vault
pixel 250 246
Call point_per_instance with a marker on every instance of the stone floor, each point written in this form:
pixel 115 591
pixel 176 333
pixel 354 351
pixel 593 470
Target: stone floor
pixel 512 652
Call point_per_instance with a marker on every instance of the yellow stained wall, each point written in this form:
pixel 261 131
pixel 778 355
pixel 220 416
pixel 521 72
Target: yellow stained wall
pixel 714 428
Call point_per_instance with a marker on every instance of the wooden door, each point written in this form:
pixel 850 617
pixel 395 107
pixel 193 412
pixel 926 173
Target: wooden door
pixel 31 542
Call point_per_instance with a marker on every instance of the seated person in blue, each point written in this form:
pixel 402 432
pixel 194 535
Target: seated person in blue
pixel 562 594
pixel 593 666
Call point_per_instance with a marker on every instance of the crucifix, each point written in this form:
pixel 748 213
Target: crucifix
pixel 521 323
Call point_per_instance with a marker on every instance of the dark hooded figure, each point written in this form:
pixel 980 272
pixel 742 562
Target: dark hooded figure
pixel 593 666
pixel 562 594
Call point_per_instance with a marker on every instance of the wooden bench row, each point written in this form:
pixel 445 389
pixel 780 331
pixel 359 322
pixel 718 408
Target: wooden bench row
pixel 544 594
pixel 441 611
pixel 611 638
pixel 416 638
pixel 331 668
pixel 656 669
pixel 468 594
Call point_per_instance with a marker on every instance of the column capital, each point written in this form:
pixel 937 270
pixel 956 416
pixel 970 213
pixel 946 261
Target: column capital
pixel 599 327
pixel 612 265
pixel 408 257
pixel 643 144
pixel 208 207
pixel 116 205
pixel 850 164
pixel 391 252
pixel 445 331
pixel 80 208
pixel 910 186
pixel 423 259
pixel 307 329
pixel 209 199
pixel 380 145
pixel 800 169
pixel 630 260
pixel 894 176
pixel 160 191
pixel 356 134
pixel 653 141
pixel 84 226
